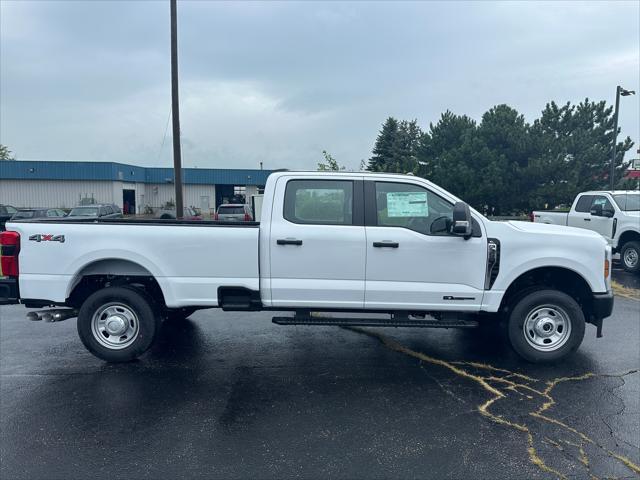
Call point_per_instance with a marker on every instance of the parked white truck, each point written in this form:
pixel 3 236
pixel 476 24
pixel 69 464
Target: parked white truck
pixel 331 242
pixel 613 214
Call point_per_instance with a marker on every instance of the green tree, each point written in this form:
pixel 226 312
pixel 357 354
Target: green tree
pixel 5 153
pixel 573 145
pixel 503 165
pixel 383 150
pixel 397 146
pixel 329 164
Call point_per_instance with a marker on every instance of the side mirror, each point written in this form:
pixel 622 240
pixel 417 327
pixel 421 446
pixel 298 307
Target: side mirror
pixel 462 224
pixel 608 212
pixel 596 210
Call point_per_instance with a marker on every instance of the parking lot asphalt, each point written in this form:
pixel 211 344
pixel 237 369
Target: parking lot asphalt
pixel 231 395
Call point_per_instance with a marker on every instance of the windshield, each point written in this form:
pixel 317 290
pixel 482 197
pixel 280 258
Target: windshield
pixel 628 202
pixel 84 212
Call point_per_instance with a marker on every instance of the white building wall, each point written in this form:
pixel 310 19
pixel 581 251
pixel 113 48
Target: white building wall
pixel 67 193
pixel 250 191
pixel 55 193
pixel 158 194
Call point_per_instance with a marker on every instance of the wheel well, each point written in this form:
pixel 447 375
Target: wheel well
pixel 110 273
pixel 628 236
pixel 556 278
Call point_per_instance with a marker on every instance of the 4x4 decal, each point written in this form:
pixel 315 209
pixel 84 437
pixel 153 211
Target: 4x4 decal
pixel 47 238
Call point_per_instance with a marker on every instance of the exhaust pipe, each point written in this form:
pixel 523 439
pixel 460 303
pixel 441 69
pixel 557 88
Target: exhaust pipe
pixel 33 316
pixel 54 315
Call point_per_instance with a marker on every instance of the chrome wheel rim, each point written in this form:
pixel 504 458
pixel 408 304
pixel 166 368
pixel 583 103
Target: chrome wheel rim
pixel 547 328
pixel 631 257
pixel 115 326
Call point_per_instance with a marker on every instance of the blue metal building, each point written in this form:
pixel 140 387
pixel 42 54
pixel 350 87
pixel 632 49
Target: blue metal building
pixel 65 184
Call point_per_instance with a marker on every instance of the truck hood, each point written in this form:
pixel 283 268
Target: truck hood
pixel 545 228
pixel 632 213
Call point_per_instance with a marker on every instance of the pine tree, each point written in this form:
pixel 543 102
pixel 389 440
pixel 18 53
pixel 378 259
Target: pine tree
pixel 383 150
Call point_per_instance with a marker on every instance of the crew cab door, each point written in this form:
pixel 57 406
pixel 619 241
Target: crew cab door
pixel 582 217
pixel 317 243
pixel 413 262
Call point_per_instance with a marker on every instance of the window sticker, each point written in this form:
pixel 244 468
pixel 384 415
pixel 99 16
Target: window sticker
pixel 407 204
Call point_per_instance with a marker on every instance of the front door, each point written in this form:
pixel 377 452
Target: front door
pixel 602 225
pixel 412 260
pixel 317 243
pixel 582 217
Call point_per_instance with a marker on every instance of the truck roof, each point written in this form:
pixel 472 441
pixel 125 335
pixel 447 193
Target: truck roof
pixel 612 192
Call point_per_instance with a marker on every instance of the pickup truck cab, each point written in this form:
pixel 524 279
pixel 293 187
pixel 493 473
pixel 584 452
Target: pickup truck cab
pixel 328 242
pixel 613 214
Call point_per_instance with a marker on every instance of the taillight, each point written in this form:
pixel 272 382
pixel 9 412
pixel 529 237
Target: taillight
pixel 247 217
pixel 9 250
pixel 215 216
pixel 531 217
pixel 607 270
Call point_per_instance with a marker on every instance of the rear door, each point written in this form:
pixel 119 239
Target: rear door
pixel 317 243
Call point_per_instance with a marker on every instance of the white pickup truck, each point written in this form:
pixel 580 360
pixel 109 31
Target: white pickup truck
pixel 613 214
pixel 329 242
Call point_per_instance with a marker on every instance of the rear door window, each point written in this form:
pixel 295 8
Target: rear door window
pixel 319 202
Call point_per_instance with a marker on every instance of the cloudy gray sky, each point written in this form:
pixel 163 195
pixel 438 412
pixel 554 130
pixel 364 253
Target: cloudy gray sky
pixel 280 82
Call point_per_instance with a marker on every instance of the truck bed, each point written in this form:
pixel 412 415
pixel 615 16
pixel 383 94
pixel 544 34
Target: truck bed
pixel 189 259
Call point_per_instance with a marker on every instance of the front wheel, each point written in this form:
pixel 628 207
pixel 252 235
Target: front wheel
pixel 630 257
pixel 118 324
pixel 546 326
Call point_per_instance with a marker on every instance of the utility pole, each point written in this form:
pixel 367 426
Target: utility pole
pixel 175 110
pixel 624 93
pixel 615 140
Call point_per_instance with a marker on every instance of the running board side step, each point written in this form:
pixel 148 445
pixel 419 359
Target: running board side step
pixel 374 322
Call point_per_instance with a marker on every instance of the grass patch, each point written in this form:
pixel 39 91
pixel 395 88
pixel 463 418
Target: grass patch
pixel 626 292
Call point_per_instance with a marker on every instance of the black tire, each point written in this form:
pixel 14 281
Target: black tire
pixel 179 314
pixel 630 256
pixel 136 306
pixel 546 312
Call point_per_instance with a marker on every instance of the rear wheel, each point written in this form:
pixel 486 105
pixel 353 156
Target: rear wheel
pixel 118 324
pixel 546 326
pixel 630 256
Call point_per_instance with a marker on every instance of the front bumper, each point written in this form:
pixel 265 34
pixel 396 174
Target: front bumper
pixel 602 304
pixel 9 291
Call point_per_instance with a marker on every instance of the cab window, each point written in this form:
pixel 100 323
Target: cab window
pixel 584 204
pixel 319 202
pixel 413 207
pixel 601 200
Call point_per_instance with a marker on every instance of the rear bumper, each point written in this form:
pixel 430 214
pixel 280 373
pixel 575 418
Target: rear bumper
pixel 602 305
pixel 9 291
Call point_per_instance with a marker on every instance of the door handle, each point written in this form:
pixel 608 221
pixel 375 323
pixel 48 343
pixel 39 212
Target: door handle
pixel 288 241
pixel 386 244
pixel 587 219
